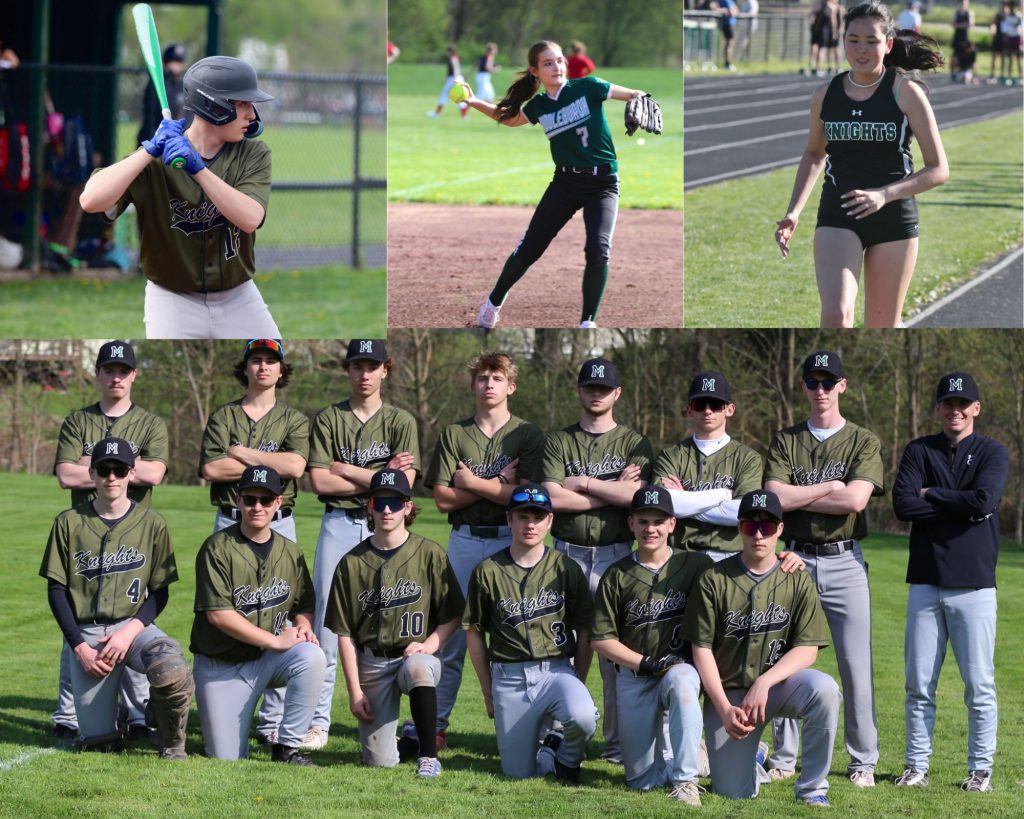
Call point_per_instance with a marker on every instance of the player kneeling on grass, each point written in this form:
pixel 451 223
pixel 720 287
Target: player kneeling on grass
pixel 109 562
pixel 528 612
pixel 253 627
pixel 394 601
pixel 755 631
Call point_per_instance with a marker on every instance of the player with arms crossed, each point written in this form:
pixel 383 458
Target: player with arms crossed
pixel 948 487
pixel 393 603
pixel 109 563
pixel 824 471
pixel 477 464
pixel 199 222
pixel 528 616
pixel 755 631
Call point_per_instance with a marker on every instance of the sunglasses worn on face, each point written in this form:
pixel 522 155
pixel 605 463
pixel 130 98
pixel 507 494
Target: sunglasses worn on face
pixel 252 500
pixel 121 470
pixel 765 527
pixel 702 404
pixel 393 503
pixel 530 496
pixel 827 384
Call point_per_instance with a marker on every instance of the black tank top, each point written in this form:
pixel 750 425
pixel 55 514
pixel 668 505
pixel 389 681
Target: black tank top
pixel 867 141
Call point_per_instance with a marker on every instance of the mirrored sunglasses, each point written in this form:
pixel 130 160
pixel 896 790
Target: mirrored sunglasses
pixel 392 502
pixel 752 527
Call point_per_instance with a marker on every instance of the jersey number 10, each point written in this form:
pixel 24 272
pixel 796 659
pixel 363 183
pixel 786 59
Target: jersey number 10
pixel 411 624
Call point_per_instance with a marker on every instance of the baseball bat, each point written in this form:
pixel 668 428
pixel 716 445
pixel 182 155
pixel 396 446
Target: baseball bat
pixel 145 30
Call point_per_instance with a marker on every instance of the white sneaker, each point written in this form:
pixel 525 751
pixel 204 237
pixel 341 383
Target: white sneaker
pixel 687 792
pixel 912 779
pixel 432 114
pixel 863 779
pixel 588 325
pixel 778 774
pixel 488 315
pixel 429 767
pixel 978 782
pixel 315 739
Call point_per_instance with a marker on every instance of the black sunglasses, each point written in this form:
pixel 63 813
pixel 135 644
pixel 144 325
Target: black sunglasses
pixel 262 500
pixel 392 502
pixel 104 470
pixel 702 404
pixel 827 384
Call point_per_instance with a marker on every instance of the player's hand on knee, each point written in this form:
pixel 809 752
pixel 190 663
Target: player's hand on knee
pixel 790 562
pixel 736 723
pixel 786 229
pixel 306 634
pixel 178 147
pixel 755 702
pixel 401 460
pixel 288 638
pixel 115 646
pixel 859 204
pixel 167 128
pixel 361 708
pixel 91 661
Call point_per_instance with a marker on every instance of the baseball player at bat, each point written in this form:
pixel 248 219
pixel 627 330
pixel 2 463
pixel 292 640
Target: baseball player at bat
pixel 253 627
pixel 592 470
pixel 113 415
pixel 824 470
pixel 198 223
pixel 394 601
pixel 476 466
pixel 528 617
pixel 755 631
pixel 709 472
pixel 109 563
pixel 348 443
pixel 948 487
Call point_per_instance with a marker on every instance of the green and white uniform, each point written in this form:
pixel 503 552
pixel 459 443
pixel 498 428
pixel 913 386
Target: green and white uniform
pixel 575 124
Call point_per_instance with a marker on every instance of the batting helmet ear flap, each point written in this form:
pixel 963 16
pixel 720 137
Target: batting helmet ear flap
pixel 255 127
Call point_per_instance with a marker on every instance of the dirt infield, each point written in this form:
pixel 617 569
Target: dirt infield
pixel 443 260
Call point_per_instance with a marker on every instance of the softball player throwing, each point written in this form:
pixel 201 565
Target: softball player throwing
pixel 586 176
pixel 393 603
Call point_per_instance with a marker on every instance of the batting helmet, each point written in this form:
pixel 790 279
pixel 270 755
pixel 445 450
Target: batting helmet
pixel 214 82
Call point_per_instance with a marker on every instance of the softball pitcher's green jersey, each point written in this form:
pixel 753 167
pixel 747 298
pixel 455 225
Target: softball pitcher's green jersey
pixel 283 429
pixel 337 434
pixel 108 569
pixel 230 577
pixel 797 457
pixel 528 614
pixel 572 452
pixel 386 600
pixel 734 467
pixel 749 624
pixel 146 432
pixel 187 245
pixel 644 609
pixel 486 457
pixel 575 123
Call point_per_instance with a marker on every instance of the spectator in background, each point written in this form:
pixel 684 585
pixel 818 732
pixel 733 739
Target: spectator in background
pixel 833 27
pixel 727 10
pixel 484 68
pixel 174 73
pixel 454 76
pixel 749 9
pixel 393 52
pixel 910 17
pixel 817 20
pixel 8 59
pixel 579 63
pixel 995 27
pixel 963 19
pixel 1011 28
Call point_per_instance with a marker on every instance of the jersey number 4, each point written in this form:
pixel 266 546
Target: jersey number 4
pixel 411 624
pixel 134 591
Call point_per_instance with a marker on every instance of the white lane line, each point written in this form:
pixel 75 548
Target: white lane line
pixel 801 112
pixel 752 171
pixel 721 146
pixel 981 277
pixel 464 179
pixel 687 98
pixel 21 759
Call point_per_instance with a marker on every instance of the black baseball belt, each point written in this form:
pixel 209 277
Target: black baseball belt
pixel 486 532
pixel 232 512
pixel 822 549
pixel 590 170
pixel 389 654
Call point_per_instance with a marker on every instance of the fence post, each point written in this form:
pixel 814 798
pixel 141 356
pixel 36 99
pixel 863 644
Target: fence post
pixel 357 256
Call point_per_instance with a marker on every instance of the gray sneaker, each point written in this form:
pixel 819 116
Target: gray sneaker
pixel 978 782
pixel 429 767
pixel 912 779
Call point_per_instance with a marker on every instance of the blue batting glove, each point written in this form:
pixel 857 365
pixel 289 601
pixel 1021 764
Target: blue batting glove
pixel 166 129
pixel 179 147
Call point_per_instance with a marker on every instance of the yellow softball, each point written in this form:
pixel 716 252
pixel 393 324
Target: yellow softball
pixel 458 93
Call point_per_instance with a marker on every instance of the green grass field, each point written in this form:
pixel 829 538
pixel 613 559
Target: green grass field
pixel 36 781
pixel 475 161
pixel 729 235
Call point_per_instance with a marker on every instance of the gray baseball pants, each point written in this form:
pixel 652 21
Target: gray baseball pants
pixel 134 693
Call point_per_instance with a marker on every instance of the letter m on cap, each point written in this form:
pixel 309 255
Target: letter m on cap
pixel 366 346
pixel 117 352
pixel 956 385
pixel 760 500
pixel 651 497
pixel 597 371
pixel 112 448
pixel 821 361
pixel 259 475
pixel 387 479
pixel 708 384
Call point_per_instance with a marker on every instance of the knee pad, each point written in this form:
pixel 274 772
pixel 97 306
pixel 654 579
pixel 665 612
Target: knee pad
pixel 164 663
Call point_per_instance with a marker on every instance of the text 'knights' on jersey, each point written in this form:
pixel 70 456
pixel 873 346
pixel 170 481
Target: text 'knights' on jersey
pixel 575 124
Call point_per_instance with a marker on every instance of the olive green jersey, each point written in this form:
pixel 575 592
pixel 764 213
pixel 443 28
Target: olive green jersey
pixel 337 434
pixel 283 429
pixel 386 600
pixel 749 624
pixel 528 614
pixel 108 570
pixel 572 452
pixel 734 467
pixel 83 428
pixel 464 442
pixel 230 577
pixel 642 608
pixel 187 244
pixel 797 457
pixel 575 124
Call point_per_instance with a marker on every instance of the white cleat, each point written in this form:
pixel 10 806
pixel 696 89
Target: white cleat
pixel 432 114
pixel 488 315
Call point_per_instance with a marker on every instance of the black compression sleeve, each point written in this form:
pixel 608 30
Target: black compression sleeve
pixel 151 608
pixel 60 605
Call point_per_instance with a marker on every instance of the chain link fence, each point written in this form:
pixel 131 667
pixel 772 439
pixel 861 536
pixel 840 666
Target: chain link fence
pixel 761 38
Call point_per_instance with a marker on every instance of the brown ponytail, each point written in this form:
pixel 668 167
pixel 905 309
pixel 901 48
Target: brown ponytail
pixel 525 86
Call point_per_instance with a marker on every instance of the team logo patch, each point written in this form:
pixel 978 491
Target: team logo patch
pixel 117 352
pixel 652 497
pixel 760 501
pixel 125 559
pixel 821 361
pixel 742 624
pixel 956 385
pixel 387 479
pixel 565 119
pixel 111 448
pixel 248 600
pixel 401 593
pixel 597 371
pixel 376 452
pixel 708 385
pixel 366 346
pixel 646 612
pixel 545 602
pixel 259 475
pixel 488 470
pixel 610 465
pixel 830 471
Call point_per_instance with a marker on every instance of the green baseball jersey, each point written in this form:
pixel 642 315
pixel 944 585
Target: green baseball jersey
pixel 797 457
pixel 108 570
pixel 572 452
pixel 283 429
pixel 644 609
pixel 749 625
pixel 528 614
pixel 187 244
pixel 83 428
pixel 384 601
pixel 575 124
pixel 230 577
pixel 337 434
pixel 734 467
pixel 464 442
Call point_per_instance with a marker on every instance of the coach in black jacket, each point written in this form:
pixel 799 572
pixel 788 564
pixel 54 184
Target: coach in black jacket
pixel 949 486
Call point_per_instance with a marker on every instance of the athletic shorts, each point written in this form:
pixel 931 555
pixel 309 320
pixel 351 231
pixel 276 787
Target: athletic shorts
pixel 893 223
pixel 728 28
pixel 1011 45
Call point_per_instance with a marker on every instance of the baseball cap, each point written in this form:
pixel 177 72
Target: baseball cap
pixel 956 385
pixel 598 371
pixel 824 361
pixel 175 51
pixel 261 477
pixel 652 497
pixel 391 480
pixel 116 352
pixel 369 348
pixel 710 384
pixel 760 500
pixel 112 449
pixel 271 345
pixel 530 496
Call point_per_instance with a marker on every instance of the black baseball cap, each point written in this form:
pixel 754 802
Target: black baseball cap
pixel 175 51
pixel 112 449
pixel 261 477
pixel 391 480
pixel 270 345
pixel 530 496
pixel 652 497
pixel 598 371
pixel 824 361
pixel 956 385
pixel 760 501
pixel 116 352
pixel 372 349
pixel 710 384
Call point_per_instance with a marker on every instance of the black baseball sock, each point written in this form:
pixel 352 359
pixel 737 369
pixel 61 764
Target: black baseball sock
pixel 423 704
pixel 512 272
pixel 594 281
